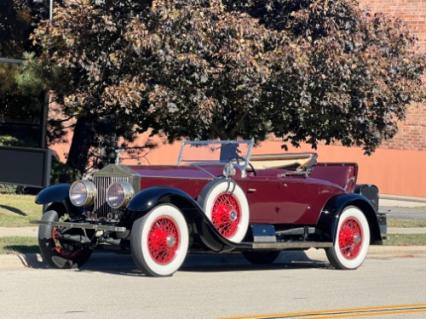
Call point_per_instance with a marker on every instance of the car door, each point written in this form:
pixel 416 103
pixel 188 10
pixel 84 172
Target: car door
pixel 294 199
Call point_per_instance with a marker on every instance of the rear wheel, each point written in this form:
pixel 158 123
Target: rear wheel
pixel 261 257
pixel 57 252
pixel 159 241
pixel 352 240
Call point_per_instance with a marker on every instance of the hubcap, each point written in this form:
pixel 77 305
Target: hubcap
pixel 171 241
pixel 163 240
pixel 233 216
pixel 226 214
pixel 350 238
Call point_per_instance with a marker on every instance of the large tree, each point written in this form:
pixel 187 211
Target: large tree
pixel 307 71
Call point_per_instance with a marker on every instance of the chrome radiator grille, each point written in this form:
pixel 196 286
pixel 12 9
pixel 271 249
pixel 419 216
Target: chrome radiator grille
pixel 101 208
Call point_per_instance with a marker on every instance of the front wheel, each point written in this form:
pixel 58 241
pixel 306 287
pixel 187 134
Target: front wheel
pixel 56 252
pixel 159 241
pixel 352 240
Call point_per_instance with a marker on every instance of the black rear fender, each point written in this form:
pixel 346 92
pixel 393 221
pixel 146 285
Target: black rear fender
pixel 200 225
pixel 330 215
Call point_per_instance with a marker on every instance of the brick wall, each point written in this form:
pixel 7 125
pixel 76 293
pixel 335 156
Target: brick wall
pixel 412 12
pixel 412 132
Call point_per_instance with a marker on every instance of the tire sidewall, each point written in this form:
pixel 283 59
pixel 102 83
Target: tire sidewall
pixel 139 240
pixel 47 245
pixel 212 191
pixel 358 215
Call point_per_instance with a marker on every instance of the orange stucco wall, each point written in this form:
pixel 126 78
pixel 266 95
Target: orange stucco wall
pixel 396 172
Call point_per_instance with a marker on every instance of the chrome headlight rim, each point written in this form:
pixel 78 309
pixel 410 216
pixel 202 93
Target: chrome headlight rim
pixel 90 193
pixel 127 194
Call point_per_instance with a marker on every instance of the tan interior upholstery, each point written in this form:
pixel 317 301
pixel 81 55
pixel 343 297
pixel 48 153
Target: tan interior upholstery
pixel 284 160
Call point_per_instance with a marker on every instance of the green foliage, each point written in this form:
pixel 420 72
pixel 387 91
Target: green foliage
pixel 7 140
pixel 21 86
pixel 15 27
pixel 62 173
pixel 306 70
pixel 29 79
pixel 21 98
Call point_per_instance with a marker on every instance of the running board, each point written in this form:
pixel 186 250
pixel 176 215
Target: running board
pixel 290 245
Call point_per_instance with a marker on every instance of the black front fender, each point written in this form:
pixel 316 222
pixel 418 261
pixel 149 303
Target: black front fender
pixel 57 198
pixel 149 198
pixel 55 193
pixel 330 215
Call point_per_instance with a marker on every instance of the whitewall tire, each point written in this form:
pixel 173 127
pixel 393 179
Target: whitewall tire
pixel 159 241
pixel 352 240
pixel 226 206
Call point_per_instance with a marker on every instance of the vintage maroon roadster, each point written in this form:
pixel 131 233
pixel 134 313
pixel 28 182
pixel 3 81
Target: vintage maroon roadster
pixel 219 197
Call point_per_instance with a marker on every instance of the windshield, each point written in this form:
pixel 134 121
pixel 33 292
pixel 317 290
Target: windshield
pixel 215 152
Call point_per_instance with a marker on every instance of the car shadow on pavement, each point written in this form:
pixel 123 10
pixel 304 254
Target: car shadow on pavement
pixel 236 262
pixel 122 264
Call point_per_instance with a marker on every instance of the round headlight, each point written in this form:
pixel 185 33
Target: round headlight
pixel 119 194
pixel 82 193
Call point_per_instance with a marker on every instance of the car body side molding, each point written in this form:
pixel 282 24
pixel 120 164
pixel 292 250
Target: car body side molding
pixel 330 215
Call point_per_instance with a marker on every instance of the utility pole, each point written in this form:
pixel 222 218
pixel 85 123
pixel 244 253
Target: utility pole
pixel 45 111
pixel 50 10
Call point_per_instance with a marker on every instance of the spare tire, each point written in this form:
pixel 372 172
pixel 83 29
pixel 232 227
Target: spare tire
pixel 226 206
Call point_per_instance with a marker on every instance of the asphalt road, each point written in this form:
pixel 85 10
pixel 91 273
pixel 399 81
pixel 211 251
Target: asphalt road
pixel 212 287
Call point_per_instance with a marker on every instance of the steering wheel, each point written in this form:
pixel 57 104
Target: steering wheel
pixel 240 158
pixel 252 168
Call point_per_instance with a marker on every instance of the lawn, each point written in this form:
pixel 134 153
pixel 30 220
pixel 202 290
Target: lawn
pixel 22 245
pixel 18 210
pixel 406 223
pixel 405 240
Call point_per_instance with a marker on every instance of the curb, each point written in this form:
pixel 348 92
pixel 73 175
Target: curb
pixel 13 262
pixel 28 261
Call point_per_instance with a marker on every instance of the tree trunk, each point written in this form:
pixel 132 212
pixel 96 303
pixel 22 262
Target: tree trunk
pixel 80 146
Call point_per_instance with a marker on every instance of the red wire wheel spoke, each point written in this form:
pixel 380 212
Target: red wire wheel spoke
pixel 57 247
pixel 350 238
pixel 163 240
pixel 60 249
pixel 226 214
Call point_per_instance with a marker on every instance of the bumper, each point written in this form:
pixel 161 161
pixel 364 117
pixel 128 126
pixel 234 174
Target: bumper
pixel 381 217
pixel 70 225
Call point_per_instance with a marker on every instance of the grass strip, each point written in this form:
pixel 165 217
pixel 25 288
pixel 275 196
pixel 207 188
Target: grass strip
pixel 405 240
pixel 406 223
pixel 18 210
pixel 18 245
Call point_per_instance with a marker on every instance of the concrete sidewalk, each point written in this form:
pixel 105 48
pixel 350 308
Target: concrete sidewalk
pixel 18 231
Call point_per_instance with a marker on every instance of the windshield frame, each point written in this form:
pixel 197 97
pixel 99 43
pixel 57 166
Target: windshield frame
pixel 241 162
